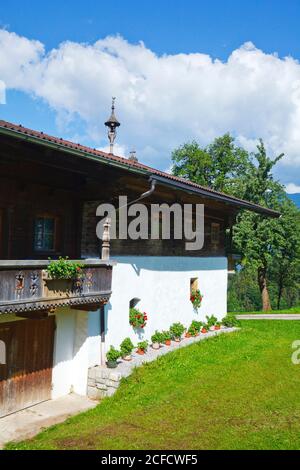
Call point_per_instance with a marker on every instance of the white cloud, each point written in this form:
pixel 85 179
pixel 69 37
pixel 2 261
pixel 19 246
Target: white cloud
pixel 292 188
pixel 163 101
pixel 120 150
pixel 2 92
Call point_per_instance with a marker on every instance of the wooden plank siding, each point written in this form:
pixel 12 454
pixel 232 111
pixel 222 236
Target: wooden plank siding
pixel 36 180
pixel 26 377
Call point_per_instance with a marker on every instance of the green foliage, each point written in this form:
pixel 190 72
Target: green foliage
pixel 211 321
pixel 177 330
pixel 113 354
pixel 166 335
pixel 196 298
pixel 143 345
pixel 126 347
pixel 230 321
pixel 220 165
pixel 195 327
pixel 269 246
pixel 137 319
pixel 157 337
pixel 63 268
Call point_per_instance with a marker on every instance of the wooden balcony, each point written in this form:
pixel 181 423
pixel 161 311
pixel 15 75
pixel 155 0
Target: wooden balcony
pixel 26 287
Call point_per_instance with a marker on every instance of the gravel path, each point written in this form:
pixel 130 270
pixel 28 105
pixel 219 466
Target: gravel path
pixel 270 316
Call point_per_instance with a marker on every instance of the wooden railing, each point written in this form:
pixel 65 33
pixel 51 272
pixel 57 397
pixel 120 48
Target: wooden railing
pixel 25 286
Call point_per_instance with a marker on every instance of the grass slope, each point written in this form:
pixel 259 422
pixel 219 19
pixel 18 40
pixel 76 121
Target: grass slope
pixel 237 391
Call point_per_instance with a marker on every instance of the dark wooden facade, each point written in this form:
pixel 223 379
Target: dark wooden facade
pixel 35 181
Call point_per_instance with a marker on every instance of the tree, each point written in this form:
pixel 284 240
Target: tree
pixel 285 266
pixel 267 244
pixel 258 237
pixel 221 165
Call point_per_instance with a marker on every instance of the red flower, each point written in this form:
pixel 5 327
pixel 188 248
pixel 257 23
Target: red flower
pixel 78 268
pixel 142 326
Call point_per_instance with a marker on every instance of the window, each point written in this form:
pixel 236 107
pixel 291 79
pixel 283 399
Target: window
pixel 215 235
pixel 45 233
pixel 133 302
pixel 193 284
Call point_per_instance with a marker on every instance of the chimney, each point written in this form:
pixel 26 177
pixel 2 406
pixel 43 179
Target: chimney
pixel 132 156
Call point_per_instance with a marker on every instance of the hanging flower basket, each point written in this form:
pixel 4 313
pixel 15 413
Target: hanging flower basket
pixel 196 298
pixel 137 319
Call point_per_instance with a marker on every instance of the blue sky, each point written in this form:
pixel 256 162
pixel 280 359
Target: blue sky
pixel 215 29
pixel 166 26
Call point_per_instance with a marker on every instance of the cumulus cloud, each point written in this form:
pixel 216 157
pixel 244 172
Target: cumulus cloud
pixel 292 188
pixel 2 93
pixel 163 101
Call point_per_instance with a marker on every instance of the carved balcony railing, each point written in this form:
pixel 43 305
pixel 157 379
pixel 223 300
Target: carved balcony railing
pixel 26 287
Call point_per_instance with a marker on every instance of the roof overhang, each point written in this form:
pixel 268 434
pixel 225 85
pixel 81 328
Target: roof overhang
pixel 107 159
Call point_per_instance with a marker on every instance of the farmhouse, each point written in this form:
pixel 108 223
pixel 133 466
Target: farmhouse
pixel 54 330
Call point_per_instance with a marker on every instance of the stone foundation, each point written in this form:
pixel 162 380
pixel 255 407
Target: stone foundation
pixel 102 382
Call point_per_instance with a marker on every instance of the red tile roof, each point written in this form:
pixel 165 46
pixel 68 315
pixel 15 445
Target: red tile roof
pixel 131 165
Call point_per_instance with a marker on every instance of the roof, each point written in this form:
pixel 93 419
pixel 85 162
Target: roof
pixel 41 138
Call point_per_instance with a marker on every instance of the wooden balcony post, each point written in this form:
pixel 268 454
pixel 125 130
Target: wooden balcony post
pixel 105 241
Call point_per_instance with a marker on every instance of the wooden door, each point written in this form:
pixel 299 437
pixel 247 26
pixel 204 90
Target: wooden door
pixel 26 377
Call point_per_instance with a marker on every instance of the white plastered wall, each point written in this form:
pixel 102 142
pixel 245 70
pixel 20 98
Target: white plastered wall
pixel 163 285
pixel 76 348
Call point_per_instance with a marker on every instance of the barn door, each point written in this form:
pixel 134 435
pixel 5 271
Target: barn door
pixel 25 378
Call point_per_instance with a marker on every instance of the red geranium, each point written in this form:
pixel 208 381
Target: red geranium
pixel 137 319
pixel 196 298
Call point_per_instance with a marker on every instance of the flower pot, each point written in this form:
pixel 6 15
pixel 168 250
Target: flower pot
pixel 188 335
pixel 177 340
pixel 204 330
pixel 168 342
pixel 217 327
pixel 140 351
pixel 127 358
pixel 211 328
pixel 155 345
pixel 111 364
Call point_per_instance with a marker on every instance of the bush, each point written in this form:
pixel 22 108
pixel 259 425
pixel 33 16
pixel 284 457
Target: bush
pixel 157 337
pixel 177 330
pixel 126 347
pixel 230 321
pixel 63 268
pixel 113 354
pixel 143 345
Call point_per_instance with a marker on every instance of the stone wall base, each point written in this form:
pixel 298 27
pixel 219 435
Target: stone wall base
pixel 102 382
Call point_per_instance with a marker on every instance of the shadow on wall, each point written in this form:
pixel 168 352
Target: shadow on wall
pixel 173 263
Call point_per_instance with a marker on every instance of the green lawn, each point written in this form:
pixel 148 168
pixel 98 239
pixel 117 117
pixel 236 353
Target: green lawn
pixel 287 310
pixel 235 391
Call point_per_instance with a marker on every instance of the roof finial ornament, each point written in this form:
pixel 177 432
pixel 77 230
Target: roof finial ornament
pixel 112 125
pixel 132 156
